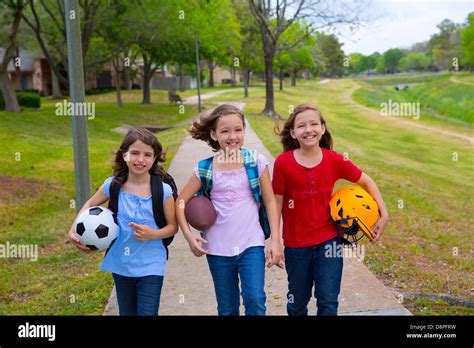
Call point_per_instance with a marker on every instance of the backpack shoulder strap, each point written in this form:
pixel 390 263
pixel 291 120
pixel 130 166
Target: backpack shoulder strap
pixel 251 166
pixel 157 200
pixel 205 174
pixel 114 195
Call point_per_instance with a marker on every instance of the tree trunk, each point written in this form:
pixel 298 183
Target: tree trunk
pixel 282 76
pixel 146 90
pixel 55 83
pixel 293 77
pixel 147 72
pixel 182 88
pixel 126 78
pixel 232 76
pixel 19 75
pixel 269 109
pixel 8 91
pixel 211 67
pixel 245 73
pixel 9 96
pixel 117 85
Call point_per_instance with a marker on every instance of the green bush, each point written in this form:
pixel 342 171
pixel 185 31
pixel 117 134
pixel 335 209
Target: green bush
pixel 25 99
pixel 29 100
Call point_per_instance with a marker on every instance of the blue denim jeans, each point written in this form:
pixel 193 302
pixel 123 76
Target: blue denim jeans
pixel 138 295
pixel 314 265
pixel 225 271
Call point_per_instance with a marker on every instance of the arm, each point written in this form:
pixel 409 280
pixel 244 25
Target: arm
pixel 97 199
pixel 193 186
pixel 279 201
pixel 274 253
pixel 369 185
pixel 143 232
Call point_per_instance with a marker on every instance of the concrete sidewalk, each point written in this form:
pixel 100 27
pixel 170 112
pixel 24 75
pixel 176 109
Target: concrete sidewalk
pixel 188 288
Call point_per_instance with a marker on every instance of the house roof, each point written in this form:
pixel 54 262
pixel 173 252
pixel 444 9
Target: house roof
pixel 27 61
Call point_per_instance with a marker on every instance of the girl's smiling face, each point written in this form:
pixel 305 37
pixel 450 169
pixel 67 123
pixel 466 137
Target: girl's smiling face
pixel 308 128
pixel 229 132
pixel 139 158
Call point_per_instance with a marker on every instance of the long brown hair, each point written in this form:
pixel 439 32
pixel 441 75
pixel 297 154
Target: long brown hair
pixel 291 144
pixel 201 128
pixel 146 137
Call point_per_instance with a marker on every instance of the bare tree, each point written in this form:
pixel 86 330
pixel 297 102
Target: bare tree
pixel 54 41
pixel 276 16
pixel 11 102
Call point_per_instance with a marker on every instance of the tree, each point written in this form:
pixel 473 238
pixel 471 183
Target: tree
pixel 250 57
pixel 415 61
pixel 15 9
pixel 153 24
pixel 48 24
pixel 301 58
pixel 116 37
pixel 468 41
pixel 275 17
pixel 368 63
pixel 391 58
pixel 355 63
pixel 328 51
pixel 446 46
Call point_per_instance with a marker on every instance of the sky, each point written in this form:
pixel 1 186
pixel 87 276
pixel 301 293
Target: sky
pixel 401 23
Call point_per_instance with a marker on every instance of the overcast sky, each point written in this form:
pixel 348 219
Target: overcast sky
pixel 401 23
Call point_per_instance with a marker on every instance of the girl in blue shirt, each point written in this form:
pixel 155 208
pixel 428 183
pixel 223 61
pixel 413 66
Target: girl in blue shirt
pixel 137 258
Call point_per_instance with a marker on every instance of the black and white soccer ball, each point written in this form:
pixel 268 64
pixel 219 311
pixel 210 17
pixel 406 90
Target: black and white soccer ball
pixel 97 228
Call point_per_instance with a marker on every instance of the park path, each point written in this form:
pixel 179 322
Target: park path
pixel 346 96
pixel 188 287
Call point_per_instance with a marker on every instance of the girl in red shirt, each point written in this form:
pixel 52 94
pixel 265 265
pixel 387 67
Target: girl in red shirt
pixel 303 180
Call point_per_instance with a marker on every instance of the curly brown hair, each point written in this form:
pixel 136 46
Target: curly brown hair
pixel 287 140
pixel 201 128
pixel 146 137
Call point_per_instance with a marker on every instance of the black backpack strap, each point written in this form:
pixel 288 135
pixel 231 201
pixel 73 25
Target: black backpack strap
pixel 113 204
pixel 114 196
pixel 157 200
pixel 158 211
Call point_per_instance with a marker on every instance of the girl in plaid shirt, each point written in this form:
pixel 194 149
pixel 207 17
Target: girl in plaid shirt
pixel 234 244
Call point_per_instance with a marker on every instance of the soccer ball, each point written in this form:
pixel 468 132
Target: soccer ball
pixel 97 228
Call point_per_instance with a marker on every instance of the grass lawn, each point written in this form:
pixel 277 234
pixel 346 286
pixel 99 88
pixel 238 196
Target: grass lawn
pixel 443 99
pixel 37 172
pixel 427 245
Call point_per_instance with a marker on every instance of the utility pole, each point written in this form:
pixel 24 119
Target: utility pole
pixel 198 71
pixel 77 95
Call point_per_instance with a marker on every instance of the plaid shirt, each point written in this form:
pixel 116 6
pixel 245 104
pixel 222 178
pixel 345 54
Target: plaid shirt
pixel 251 166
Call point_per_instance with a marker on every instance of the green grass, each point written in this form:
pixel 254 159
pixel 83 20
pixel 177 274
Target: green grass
pixel 37 146
pixel 417 252
pixel 422 306
pixel 440 98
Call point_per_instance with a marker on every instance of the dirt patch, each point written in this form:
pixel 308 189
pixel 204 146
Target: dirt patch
pixel 14 189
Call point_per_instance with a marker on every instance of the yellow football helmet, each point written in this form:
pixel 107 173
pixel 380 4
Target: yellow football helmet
pixel 355 212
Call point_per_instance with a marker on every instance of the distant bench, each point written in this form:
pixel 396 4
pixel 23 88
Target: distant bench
pixel 174 98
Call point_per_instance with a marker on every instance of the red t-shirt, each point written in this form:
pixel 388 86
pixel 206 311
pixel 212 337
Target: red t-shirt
pixel 306 193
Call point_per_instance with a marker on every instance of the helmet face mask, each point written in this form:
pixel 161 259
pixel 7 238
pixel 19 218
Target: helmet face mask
pixel 355 212
pixel 350 231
